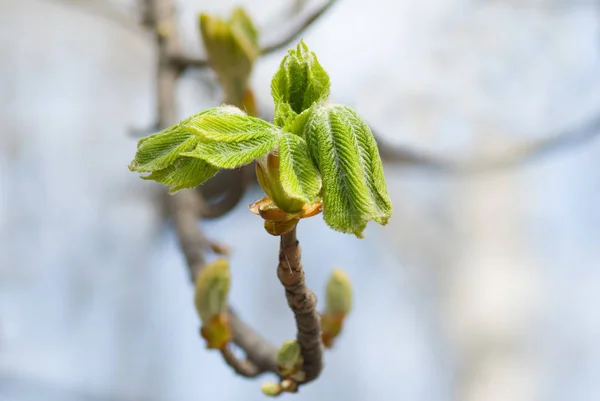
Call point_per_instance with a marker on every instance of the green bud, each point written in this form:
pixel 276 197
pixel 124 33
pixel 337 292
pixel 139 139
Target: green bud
pixel 232 47
pixel 289 358
pixel 339 293
pixel 299 82
pixel 212 289
pixel 271 389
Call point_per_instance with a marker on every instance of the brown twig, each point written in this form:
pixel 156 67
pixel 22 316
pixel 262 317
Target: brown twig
pixel 300 28
pixel 186 206
pixel 303 302
pixel 243 368
pixel 519 155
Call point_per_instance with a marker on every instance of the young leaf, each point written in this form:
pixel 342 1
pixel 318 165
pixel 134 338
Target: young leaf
pixel 354 189
pixel 161 150
pixel 186 172
pixel 164 154
pixel 229 127
pixel 232 140
pixel 233 154
pixel 299 82
pixel 299 177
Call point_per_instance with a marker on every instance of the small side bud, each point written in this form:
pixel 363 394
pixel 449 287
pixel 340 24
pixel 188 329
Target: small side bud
pixel 338 305
pixel 271 389
pixel 289 386
pixel 289 358
pixel 212 290
pixel 339 293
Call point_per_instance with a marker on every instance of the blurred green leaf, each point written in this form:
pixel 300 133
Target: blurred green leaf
pixel 232 47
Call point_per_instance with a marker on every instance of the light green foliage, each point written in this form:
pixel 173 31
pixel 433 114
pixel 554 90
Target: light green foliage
pixel 338 293
pixel 233 154
pixel 343 147
pixel 315 151
pixel 230 141
pixel 298 84
pixel 161 150
pixel 189 153
pixel 212 289
pixel 299 177
pixel 186 172
pixel 232 47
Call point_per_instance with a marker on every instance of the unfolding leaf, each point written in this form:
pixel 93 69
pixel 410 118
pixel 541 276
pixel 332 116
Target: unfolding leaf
pixel 230 127
pixel 299 176
pixel 186 172
pixel 232 140
pixel 161 150
pixel 300 82
pixel 354 190
pixel 233 154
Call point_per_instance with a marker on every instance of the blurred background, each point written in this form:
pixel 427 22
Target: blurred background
pixel 483 287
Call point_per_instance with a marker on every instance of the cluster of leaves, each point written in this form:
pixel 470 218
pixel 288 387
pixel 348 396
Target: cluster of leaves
pixel 325 151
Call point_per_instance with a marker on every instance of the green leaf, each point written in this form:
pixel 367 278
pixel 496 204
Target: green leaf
pixel 300 82
pixel 186 172
pixel 229 127
pixel 233 154
pixel 299 176
pixel 232 140
pixel 161 150
pixel 346 154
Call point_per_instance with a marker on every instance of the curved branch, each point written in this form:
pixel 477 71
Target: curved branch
pixel 301 27
pixel 303 302
pixel 243 368
pixel 187 206
pixel 520 155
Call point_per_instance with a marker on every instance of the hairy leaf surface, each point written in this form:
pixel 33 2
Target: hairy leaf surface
pixel 299 176
pixel 354 189
pixel 299 82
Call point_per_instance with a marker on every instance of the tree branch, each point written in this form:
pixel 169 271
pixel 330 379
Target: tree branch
pixel 184 61
pixel 520 155
pixel 303 302
pixel 301 27
pixel 243 368
pixel 186 206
